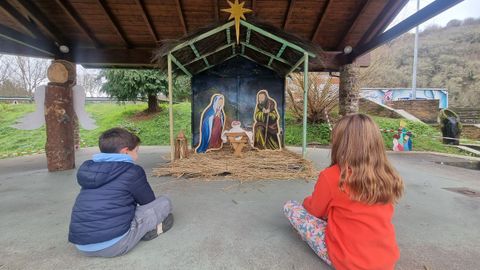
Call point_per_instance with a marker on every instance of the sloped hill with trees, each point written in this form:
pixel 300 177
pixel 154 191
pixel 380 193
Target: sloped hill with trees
pixel 448 57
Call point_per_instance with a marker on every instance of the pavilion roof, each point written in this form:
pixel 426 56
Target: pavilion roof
pixel 124 33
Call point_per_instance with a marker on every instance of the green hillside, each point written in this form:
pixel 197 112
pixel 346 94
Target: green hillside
pixel 448 57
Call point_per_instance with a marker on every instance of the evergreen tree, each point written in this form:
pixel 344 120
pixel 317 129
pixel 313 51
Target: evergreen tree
pixel 129 84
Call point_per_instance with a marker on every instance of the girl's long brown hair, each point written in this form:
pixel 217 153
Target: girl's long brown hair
pixel 366 174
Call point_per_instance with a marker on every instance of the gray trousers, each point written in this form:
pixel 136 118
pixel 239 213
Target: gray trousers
pixel 147 217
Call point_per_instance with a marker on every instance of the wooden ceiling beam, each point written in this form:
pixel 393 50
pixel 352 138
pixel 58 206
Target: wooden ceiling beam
pixel 291 4
pixel 180 16
pixel 215 10
pixel 42 20
pixel 359 15
pixel 38 41
pixel 326 6
pixel 148 20
pixel 75 17
pixel 20 20
pixel 44 47
pixel 113 57
pixel 102 58
pixel 383 19
pixel 9 46
pixel 114 22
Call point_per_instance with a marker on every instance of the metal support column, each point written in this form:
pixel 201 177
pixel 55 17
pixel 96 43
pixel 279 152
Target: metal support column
pixel 170 107
pixel 305 104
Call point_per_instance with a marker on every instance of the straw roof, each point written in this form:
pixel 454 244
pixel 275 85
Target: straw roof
pixel 253 46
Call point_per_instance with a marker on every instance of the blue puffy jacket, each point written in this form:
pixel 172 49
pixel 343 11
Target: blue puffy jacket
pixel 105 207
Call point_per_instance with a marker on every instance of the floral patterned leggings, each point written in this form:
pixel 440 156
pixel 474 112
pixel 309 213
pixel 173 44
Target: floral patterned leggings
pixel 310 228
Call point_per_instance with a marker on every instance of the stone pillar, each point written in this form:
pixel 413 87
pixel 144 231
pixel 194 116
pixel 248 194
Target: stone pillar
pixel 59 116
pixel 349 90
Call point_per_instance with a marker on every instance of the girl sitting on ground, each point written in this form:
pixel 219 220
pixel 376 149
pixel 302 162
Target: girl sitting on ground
pixel 347 220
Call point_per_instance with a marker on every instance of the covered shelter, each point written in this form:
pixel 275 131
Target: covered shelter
pixel 109 33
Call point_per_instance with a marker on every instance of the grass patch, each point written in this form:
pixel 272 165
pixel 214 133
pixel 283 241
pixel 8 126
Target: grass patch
pixel 16 142
pixel 155 131
pixel 316 133
pixel 152 131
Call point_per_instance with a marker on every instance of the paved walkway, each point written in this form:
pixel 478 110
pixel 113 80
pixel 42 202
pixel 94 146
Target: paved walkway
pixel 225 225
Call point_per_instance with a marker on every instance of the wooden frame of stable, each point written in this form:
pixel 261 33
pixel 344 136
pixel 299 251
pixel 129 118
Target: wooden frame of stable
pixel 226 27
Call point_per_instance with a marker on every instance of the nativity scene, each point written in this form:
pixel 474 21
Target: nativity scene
pixel 238 71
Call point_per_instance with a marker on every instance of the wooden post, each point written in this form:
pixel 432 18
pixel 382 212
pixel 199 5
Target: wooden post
pixel 170 108
pixel 59 116
pixel 349 92
pixel 305 104
pixel 181 146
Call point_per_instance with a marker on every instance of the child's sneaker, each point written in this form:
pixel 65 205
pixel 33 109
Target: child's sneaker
pixel 161 228
pixel 167 223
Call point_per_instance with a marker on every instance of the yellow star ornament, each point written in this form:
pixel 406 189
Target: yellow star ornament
pixel 237 12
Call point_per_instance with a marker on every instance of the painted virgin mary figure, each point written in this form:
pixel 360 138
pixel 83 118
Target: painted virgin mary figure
pixel 212 123
pixel 266 129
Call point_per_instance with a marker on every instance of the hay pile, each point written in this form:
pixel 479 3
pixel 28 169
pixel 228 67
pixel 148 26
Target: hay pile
pixel 254 165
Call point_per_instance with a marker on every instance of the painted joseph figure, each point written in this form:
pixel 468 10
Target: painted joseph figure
pixel 266 125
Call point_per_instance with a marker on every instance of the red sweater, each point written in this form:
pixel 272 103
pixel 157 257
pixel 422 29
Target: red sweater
pixel 358 236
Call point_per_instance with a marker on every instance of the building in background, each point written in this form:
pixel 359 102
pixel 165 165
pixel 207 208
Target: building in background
pixel 386 95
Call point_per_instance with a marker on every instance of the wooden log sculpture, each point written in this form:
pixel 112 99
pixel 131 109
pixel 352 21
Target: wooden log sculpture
pixel 59 115
pixel 181 146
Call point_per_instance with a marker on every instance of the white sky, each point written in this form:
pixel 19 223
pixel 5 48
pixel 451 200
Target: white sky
pixel 463 10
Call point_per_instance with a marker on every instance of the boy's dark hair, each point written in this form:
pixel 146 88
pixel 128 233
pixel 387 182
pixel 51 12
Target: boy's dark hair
pixel 113 140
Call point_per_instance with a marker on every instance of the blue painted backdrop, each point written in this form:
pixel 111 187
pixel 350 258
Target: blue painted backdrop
pixel 238 80
pixel 382 96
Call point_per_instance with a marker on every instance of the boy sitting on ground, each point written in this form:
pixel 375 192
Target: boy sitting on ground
pixel 116 207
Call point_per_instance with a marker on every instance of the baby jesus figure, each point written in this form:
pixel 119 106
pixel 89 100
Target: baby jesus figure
pixel 236 128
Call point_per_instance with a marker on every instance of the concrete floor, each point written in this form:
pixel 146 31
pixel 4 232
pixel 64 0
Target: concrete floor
pixel 226 225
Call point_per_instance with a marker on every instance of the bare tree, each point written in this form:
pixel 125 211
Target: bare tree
pixel 4 68
pixel 30 72
pixel 90 80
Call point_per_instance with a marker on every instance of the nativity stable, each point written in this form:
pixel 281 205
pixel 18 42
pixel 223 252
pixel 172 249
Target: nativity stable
pixel 238 72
